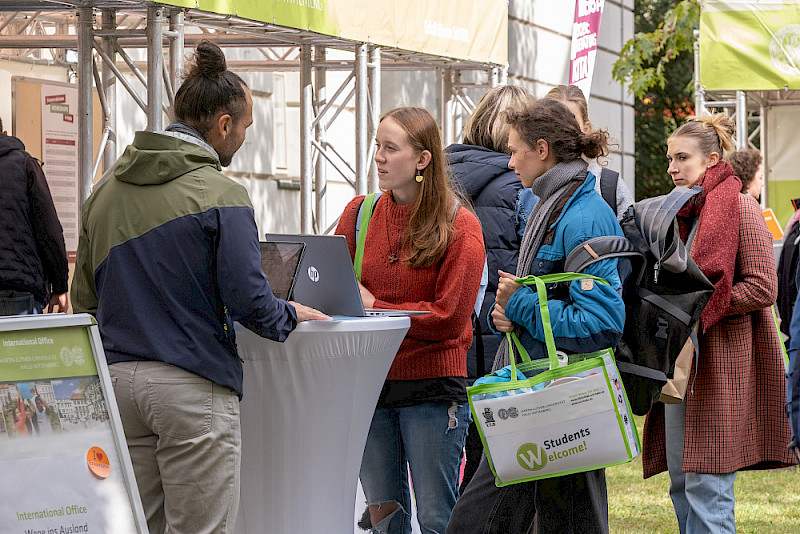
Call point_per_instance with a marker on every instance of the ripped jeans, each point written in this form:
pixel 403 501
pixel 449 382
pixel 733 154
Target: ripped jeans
pixel 427 439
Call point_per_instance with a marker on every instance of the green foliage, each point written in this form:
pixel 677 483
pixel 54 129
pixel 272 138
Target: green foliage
pixel 644 58
pixel 658 64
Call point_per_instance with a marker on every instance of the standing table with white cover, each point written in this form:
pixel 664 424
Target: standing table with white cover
pixel 306 412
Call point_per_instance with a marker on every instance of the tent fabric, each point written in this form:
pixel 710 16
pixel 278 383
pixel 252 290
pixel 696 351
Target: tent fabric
pixel 476 31
pixel 749 45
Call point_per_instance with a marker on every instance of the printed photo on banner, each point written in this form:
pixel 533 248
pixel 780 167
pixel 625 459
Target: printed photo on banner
pixel 40 408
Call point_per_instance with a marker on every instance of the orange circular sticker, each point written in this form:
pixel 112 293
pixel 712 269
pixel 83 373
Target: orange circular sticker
pixel 97 460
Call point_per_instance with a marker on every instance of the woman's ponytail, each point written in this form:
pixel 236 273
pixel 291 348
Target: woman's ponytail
pixel 595 144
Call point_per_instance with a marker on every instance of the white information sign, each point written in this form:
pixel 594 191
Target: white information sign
pixel 65 463
pixel 60 156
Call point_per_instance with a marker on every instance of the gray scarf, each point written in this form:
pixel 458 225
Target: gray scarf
pixel 549 187
pixel 190 135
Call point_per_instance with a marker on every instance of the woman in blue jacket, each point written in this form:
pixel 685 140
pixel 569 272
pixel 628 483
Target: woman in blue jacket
pixel 546 148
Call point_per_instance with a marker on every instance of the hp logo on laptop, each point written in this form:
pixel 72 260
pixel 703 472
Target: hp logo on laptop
pixel 313 274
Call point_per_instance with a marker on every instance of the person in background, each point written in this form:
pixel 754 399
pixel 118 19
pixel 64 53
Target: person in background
pixel 733 417
pixel 21 422
pixel 33 257
pixel 424 251
pixel 480 168
pixel 548 151
pixel 42 415
pixel 611 188
pixel 747 165
pixel 168 258
pixel 793 378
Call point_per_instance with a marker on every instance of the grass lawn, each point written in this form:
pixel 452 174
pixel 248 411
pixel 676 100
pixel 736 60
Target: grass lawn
pixel 767 502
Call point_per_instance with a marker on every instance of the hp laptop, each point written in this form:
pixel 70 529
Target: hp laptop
pixel 326 280
pixel 280 261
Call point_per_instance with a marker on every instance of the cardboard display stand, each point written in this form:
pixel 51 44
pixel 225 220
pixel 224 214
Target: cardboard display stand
pixel 63 455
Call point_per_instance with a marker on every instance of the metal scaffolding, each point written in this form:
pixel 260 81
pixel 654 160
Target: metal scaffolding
pixel 103 32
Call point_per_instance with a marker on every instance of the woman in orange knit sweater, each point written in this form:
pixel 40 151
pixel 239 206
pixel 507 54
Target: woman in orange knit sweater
pixel 424 251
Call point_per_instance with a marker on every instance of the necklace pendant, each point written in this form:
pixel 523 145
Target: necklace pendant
pixel 392 258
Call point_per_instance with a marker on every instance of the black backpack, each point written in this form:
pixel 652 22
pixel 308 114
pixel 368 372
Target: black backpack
pixel 663 289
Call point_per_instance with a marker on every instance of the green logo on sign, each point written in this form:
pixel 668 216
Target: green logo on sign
pixel 59 108
pixel 531 457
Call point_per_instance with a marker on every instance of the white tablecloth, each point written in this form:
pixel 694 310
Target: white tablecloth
pixel 306 411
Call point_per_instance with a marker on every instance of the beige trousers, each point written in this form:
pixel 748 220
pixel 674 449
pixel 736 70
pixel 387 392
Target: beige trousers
pixel 184 440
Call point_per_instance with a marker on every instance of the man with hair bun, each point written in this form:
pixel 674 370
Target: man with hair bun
pixel 168 259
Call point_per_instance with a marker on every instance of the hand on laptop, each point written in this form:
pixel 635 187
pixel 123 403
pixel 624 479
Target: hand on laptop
pixel 366 297
pixel 304 313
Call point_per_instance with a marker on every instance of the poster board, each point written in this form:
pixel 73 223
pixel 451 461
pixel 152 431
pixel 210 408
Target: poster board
pixel 63 453
pixel 44 118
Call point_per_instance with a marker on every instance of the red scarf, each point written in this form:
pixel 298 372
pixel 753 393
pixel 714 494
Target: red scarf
pixel 717 239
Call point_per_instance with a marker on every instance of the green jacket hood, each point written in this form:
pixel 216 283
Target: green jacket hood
pixel 154 159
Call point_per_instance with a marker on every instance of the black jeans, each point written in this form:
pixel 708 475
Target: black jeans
pixel 18 303
pixel 571 504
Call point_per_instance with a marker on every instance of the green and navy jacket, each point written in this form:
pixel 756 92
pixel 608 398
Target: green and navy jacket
pixel 168 258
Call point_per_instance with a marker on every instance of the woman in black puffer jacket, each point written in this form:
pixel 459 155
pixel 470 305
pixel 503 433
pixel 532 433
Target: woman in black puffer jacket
pixel 480 169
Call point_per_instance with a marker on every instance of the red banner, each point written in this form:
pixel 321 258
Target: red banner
pixel 585 29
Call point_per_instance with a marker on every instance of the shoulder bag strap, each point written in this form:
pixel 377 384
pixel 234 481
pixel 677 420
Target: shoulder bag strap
pixel 608 187
pixel 362 223
pixel 541 290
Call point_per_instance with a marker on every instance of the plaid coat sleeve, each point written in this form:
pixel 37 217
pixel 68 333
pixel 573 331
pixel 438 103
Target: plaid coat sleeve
pixel 755 285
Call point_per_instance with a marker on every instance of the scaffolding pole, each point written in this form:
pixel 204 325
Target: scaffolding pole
pixel 306 118
pixel 109 89
pixel 699 93
pixel 321 177
pixel 375 112
pixel 741 120
pixel 155 63
pixel 447 106
pixel 362 113
pixel 176 45
pixel 85 111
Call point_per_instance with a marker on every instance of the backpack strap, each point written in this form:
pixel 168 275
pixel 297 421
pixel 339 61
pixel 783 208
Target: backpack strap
pixel 608 187
pixel 598 249
pixel 362 224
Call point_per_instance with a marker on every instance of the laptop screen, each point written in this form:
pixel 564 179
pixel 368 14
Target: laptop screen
pixel 280 262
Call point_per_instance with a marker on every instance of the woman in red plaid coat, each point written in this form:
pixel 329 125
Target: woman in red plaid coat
pixel 733 416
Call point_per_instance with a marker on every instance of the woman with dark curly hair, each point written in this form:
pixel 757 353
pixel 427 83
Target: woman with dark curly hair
pixel 746 163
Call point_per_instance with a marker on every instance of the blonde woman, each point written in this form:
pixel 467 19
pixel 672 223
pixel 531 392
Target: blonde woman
pixel 732 418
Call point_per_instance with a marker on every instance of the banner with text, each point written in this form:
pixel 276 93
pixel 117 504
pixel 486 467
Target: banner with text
pixel 748 45
pixel 475 30
pixel 60 157
pixel 585 29
pixel 63 468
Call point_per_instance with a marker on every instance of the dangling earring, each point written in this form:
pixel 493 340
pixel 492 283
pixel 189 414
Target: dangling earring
pixel 419 177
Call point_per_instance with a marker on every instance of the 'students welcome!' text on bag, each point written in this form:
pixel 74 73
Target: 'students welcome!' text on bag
pixel 572 417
